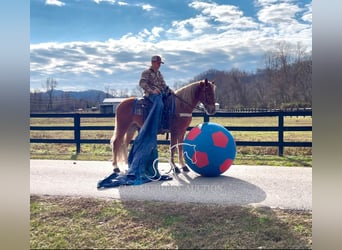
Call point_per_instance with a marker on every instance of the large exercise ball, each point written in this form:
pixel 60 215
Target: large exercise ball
pixel 209 149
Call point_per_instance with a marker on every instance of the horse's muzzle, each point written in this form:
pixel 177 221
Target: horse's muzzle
pixel 210 109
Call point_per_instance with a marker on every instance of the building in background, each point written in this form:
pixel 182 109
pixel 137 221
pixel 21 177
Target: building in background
pixel 109 105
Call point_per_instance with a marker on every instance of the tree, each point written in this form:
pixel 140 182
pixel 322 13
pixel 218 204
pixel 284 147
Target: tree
pixel 137 91
pixel 289 70
pixel 107 88
pixel 50 86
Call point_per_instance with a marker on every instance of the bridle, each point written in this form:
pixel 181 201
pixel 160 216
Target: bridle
pixel 205 93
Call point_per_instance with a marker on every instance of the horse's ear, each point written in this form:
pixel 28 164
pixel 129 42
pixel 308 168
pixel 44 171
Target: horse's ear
pixel 204 83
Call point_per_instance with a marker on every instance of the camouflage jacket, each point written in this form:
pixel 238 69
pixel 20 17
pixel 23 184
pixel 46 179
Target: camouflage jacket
pixel 151 80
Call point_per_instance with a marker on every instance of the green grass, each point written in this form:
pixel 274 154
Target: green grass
pixel 93 152
pixel 80 223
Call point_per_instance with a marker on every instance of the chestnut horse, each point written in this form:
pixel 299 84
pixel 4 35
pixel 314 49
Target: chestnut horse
pixel 186 100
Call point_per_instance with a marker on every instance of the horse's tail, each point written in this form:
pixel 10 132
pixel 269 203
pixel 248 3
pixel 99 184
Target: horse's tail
pixel 119 147
pixel 124 131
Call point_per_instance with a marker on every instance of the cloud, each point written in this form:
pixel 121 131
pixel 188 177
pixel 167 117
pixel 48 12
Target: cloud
pixel 307 15
pixel 283 11
pixel 122 3
pixel 189 28
pixel 229 16
pixel 286 20
pixel 278 13
pixel 108 1
pixel 54 2
pixel 146 7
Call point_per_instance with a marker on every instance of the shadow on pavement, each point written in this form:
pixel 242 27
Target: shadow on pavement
pixel 193 188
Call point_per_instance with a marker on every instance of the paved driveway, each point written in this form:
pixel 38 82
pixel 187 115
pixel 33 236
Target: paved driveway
pixel 281 187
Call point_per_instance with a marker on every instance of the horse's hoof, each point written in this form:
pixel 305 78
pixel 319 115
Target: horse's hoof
pixel 185 169
pixel 116 170
pixel 177 171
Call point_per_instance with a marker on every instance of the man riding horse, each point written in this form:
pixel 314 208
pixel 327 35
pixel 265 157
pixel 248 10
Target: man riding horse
pixel 144 153
pixel 152 82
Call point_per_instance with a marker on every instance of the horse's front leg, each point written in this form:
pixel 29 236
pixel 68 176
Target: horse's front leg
pixel 181 158
pixel 172 155
pixel 176 144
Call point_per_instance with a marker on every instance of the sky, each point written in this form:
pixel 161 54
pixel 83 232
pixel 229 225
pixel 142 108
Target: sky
pixel 106 44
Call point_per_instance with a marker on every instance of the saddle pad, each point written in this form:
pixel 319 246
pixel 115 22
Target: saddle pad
pixel 142 106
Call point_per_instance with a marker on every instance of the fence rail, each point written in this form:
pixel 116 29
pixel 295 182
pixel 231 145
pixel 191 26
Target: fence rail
pixel 280 143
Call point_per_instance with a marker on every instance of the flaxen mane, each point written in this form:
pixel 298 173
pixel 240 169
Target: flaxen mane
pixel 187 92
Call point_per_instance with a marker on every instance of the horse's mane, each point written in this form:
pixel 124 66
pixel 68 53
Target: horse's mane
pixel 187 92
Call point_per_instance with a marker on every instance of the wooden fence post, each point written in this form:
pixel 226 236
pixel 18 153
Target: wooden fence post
pixel 77 132
pixel 206 117
pixel 281 133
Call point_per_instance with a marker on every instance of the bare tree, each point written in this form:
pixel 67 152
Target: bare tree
pixel 302 75
pixel 107 88
pixel 137 91
pixel 50 86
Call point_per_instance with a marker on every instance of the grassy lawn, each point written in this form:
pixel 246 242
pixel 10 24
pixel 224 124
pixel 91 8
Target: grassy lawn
pixel 85 223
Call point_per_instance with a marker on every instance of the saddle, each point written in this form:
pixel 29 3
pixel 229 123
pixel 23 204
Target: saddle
pixel 142 107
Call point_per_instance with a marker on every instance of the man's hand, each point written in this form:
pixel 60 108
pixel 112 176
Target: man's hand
pixel 156 91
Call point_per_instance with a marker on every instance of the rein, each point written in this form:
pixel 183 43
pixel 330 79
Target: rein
pixel 182 100
pixel 187 103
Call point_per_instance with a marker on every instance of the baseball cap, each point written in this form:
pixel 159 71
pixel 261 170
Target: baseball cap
pixel 156 59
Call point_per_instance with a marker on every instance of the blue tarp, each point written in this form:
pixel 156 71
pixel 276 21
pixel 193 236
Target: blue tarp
pixel 143 156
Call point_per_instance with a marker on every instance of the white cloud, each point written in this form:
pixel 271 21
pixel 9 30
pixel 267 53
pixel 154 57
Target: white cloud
pixel 122 3
pixel 229 16
pixel 156 31
pixel 109 1
pixel 221 13
pixel 187 28
pixel 270 2
pixel 146 7
pixel 284 22
pixel 307 16
pixel 278 13
pixel 54 2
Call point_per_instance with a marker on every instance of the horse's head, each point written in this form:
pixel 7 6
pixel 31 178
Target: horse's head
pixel 207 96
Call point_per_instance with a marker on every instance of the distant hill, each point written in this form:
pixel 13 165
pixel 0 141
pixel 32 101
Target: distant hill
pixel 96 96
pixel 66 101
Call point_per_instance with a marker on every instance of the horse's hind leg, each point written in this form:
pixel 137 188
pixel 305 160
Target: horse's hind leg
pixel 116 142
pixel 130 133
pixel 119 144
pixel 125 141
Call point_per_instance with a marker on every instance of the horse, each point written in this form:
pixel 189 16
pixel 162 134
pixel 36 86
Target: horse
pixel 186 100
